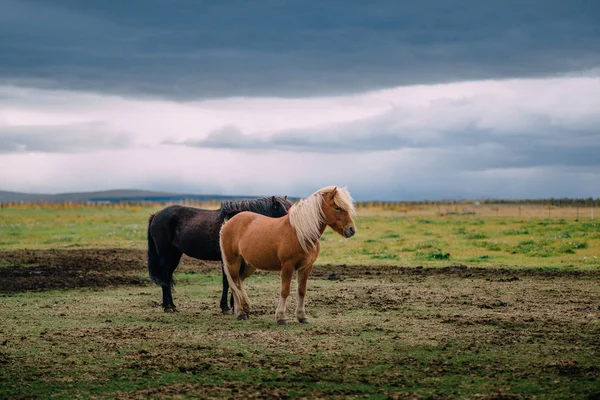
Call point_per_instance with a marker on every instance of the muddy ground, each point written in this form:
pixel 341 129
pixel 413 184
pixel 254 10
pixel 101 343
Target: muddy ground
pixel 22 270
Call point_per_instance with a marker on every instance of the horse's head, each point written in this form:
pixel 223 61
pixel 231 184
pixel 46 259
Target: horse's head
pixel 280 206
pixel 338 209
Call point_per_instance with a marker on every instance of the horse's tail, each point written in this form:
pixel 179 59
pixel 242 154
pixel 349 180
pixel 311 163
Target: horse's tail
pixel 158 273
pixel 232 284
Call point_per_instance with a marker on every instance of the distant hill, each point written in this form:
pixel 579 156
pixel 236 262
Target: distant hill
pixel 110 196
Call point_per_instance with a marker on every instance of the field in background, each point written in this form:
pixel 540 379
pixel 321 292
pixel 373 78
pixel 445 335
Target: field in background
pixel 484 235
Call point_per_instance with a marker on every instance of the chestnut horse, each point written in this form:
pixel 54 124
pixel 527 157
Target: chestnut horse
pixel 287 244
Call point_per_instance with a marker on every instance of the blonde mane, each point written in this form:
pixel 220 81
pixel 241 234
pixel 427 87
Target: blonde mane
pixel 306 216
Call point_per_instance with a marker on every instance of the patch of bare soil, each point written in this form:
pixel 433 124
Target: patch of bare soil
pixel 334 272
pixel 22 270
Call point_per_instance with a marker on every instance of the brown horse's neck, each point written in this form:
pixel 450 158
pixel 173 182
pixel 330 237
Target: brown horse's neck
pixel 322 228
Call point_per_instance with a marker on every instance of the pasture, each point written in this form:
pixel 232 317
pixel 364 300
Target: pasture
pixel 421 302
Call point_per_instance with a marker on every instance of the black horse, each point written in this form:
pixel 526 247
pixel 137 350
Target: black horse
pixel 177 230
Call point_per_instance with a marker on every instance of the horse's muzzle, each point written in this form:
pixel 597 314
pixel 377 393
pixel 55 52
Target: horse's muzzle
pixel 349 231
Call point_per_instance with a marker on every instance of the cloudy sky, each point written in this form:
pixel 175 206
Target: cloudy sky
pixel 396 100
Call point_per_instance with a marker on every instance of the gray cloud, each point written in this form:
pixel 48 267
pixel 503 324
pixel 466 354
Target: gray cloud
pixel 72 138
pixel 228 136
pixel 188 50
pixel 449 134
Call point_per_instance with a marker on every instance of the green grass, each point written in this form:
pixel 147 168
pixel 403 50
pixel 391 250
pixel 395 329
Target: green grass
pixel 380 239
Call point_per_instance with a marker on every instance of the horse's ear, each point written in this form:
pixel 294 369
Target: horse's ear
pixel 333 192
pixel 273 199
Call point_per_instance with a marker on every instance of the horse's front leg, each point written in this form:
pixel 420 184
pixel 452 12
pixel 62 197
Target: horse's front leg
pixel 287 272
pixel 303 275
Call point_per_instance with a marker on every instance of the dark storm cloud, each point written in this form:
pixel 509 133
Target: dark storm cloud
pixel 73 138
pixel 188 49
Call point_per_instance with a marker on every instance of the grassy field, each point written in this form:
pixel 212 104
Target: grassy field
pixel 419 304
pixel 420 237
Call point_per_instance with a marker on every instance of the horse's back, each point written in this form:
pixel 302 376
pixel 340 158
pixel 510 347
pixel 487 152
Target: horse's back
pixel 255 238
pixel 236 227
pixel 194 231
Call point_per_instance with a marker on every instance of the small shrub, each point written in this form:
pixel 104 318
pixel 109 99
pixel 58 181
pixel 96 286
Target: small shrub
pixel 435 254
pixel 534 249
pixel 476 235
pixel 570 247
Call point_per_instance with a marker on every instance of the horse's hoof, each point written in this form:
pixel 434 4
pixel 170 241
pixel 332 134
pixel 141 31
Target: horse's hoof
pixel 170 309
pixel 303 320
pixel 227 311
pixel 243 317
pixel 281 322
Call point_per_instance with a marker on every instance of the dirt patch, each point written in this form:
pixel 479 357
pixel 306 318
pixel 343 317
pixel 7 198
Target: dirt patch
pixel 337 272
pixel 22 270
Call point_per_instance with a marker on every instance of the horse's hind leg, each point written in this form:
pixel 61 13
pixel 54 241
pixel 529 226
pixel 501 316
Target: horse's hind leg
pixel 232 269
pixel 167 302
pixel 239 304
pixel 245 271
pixel 225 309
pixel 171 260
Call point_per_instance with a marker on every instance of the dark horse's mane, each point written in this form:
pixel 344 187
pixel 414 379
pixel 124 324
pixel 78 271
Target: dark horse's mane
pixel 260 206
